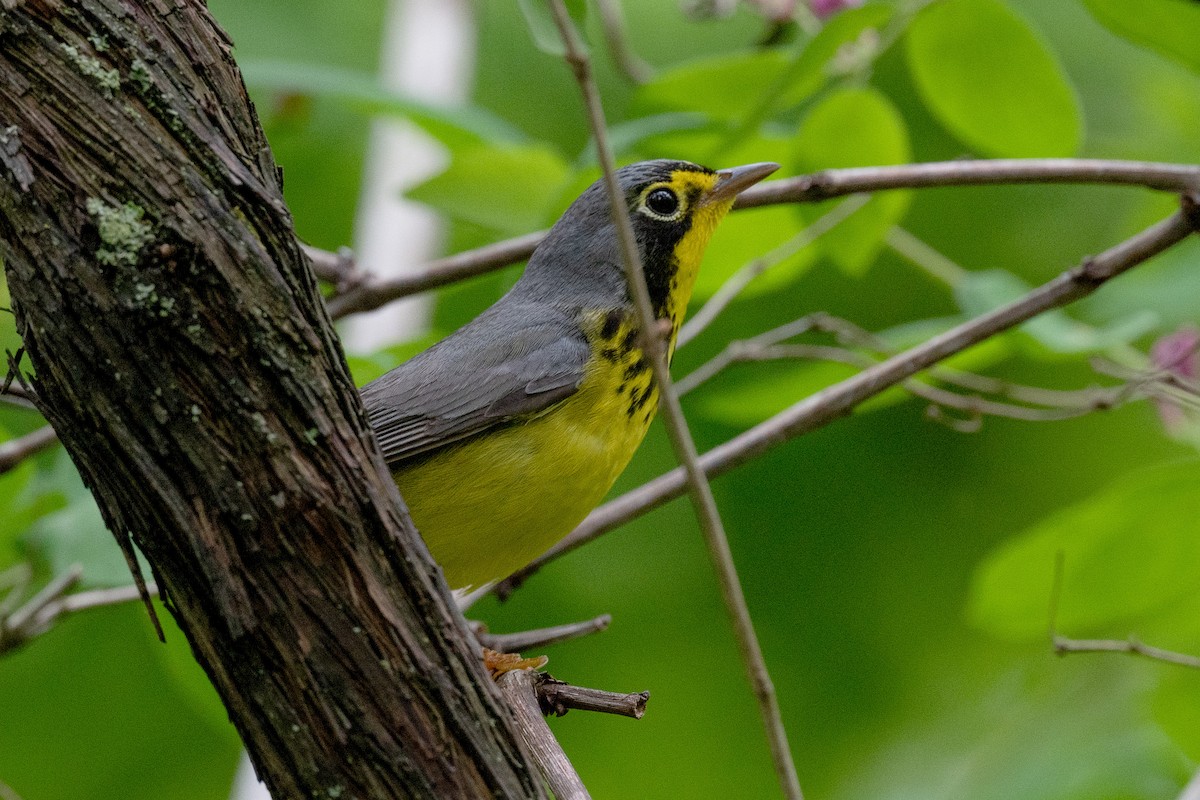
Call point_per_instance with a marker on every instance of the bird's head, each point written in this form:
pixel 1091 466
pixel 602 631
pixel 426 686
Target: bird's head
pixel 674 206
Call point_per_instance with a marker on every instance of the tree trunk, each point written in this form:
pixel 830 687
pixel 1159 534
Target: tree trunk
pixel 184 356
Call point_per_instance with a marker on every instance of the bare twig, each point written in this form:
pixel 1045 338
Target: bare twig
pixel 518 688
pixel 975 406
pixel 39 613
pixel 930 260
pixel 557 698
pixel 14 374
pixel 338 268
pixel 369 292
pixel 542 637
pixel 742 278
pixel 839 182
pixel 1064 645
pixel 1044 404
pixel 14 451
pixel 612 20
pixel 838 400
pixel 677 430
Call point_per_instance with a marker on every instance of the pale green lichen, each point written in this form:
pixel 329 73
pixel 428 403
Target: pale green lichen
pixel 123 232
pixel 145 295
pixel 108 79
pixel 260 422
pixel 140 74
pixel 98 42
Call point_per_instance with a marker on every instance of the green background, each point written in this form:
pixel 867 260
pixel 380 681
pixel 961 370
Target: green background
pixel 899 572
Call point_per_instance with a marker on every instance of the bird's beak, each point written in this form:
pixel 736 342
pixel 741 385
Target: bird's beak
pixel 733 181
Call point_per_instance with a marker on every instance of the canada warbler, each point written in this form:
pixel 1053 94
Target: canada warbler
pixel 504 435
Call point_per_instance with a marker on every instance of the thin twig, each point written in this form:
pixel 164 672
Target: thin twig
pixel 14 451
pixel 1064 645
pixel 542 637
pixel 975 406
pixel 557 698
pixel 839 182
pixel 1044 404
pixel 371 292
pixel 40 613
pixel 737 282
pixel 338 268
pixel 676 425
pixel 18 394
pixel 927 258
pixel 612 20
pixel 839 399
pixel 518 688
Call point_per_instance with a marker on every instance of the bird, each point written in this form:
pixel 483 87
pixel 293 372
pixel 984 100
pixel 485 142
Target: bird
pixel 504 435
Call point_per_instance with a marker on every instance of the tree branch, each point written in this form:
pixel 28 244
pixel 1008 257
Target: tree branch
pixel 839 182
pixel 838 400
pixel 541 637
pixel 14 451
pixel 1064 645
pixel 519 689
pixel 367 292
pixel 40 613
pixel 695 480
pixel 558 698
pixel 370 292
pixel 184 356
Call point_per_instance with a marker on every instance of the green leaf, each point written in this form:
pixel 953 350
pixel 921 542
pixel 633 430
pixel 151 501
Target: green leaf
pixel 992 81
pixel 850 128
pixel 818 61
pixel 1176 708
pixel 1169 27
pixel 76 533
pixel 742 238
pixel 542 27
pixel 980 292
pixel 1042 730
pixel 506 189
pixel 363 92
pixel 14 488
pixel 1128 550
pixel 724 87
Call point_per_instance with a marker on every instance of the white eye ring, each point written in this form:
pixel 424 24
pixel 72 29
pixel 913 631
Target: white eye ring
pixel 661 202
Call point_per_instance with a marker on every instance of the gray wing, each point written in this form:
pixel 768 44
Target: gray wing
pixel 500 367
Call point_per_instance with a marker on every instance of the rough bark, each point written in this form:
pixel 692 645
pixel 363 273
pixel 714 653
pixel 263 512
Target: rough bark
pixel 184 357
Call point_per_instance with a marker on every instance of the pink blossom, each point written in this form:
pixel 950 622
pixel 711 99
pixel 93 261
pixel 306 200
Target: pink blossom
pixel 1176 353
pixel 827 8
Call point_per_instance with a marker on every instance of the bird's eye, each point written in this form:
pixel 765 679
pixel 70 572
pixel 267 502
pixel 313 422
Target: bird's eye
pixel 662 202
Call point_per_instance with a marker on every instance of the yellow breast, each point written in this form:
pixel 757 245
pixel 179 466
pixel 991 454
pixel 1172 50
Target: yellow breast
pixel 489 506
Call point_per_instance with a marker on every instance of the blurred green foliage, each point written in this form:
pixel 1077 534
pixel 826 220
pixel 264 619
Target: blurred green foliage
pixel 899 572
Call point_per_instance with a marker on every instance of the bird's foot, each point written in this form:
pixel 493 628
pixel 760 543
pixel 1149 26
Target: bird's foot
pixel 499 663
